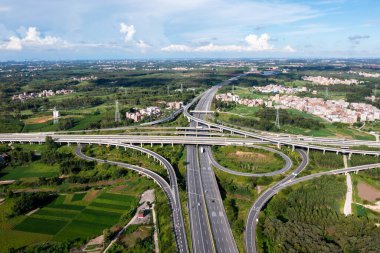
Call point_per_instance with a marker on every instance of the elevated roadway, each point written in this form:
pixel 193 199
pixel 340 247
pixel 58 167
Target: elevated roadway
pixel 207 98
pixel 171 191
pixel 221 235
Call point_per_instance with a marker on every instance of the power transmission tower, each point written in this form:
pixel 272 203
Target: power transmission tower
pixel 277 124
pixel 117 112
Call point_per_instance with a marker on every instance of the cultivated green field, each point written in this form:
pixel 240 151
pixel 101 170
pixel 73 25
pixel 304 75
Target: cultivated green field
pixel 71 216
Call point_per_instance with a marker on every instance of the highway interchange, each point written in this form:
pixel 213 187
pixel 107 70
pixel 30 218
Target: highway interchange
pixel 209 226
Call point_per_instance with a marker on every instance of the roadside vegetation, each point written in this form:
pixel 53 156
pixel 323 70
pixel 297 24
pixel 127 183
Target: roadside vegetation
pixel 307 218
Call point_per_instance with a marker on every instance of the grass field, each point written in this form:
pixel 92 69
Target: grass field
pixel 247 159
pixel 33 169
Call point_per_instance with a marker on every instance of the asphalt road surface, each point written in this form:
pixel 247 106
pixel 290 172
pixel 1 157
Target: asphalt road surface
pixel 250 233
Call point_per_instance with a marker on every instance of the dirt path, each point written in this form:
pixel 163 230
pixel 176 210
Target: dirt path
pixel 368 192
pixel 347 205
pixel 147 196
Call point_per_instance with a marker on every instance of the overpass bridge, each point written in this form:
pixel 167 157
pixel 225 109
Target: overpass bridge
pixel 172 140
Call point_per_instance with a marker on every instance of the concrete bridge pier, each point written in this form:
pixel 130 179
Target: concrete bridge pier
pixel 151 144
pixel 349 156
pixel 278 145
pixel 308 150
pixel 293 148
pixel 324 151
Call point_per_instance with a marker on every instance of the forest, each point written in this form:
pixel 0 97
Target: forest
pixel 307 218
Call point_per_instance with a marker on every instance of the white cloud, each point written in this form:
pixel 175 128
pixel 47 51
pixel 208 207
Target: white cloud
pixel 128 31
pixel 32 38
pixel 4 8
pixel 14 43
pixel 289 49
pixel 176 48
pixel 142 46
pixel 253 43
pixel 256 43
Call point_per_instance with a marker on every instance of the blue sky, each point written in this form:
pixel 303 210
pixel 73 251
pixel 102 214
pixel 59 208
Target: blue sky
pixel 120 29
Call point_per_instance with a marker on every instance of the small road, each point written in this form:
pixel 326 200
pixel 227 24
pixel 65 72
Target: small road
pixel 288 164
pixel 347 204
pixel 179 230
pixel 250 232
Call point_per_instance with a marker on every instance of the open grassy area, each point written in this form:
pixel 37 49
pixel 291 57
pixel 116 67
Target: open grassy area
pixel 247 159
pixel 34 169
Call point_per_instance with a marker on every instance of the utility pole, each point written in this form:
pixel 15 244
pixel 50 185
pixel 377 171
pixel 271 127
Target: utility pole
pixel 375 93
pixel 117 112
pixel 168 90
pixel 181 88
pixel 327 93
pixel 277 124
